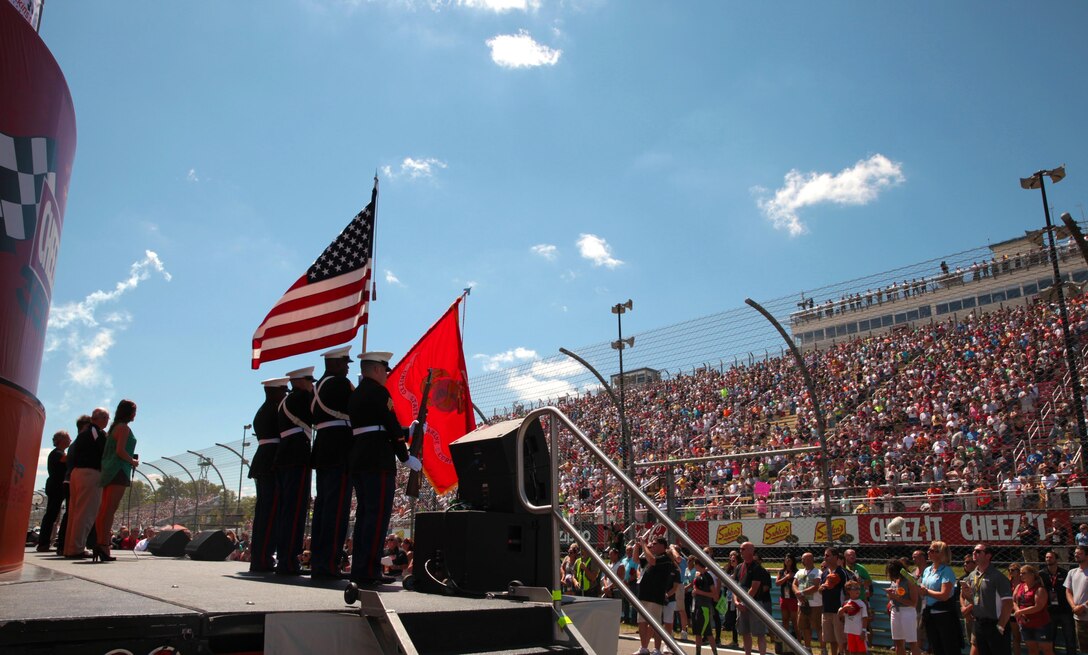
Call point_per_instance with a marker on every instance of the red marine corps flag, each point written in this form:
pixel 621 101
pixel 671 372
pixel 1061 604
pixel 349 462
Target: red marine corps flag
pixel 326 306
pixel 449 415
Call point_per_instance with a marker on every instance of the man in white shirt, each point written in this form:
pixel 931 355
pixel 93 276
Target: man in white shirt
pixel 1076 592
pixel 806 584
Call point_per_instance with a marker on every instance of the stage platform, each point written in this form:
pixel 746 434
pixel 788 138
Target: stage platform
pixel 144 603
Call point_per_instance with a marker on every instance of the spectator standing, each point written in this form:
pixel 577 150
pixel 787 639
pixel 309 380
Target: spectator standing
pixel 704 593
pixel 756 581
pixel 853 613
pixel 832 583
pixel 1029 540
pixel 1082 535
pixel 732 569
pixel 1053 576
pixel 1057 539
pixel 57 467
pixel 680 598
pixel 658 579
pixel 1076 592
pixel 862 574
pixel 987 596
pixel 968 618
pixel 1014 627
pixel 902 608
pixel 85 496
pixel 1031 611
pixel 630 577
pixel 81 424
pixel 787 603
pixel 118 460
pixel 607 586
pixel 941 613
pixel 806 582
pixel 918 557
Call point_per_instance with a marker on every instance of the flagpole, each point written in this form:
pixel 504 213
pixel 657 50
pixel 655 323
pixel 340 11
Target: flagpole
pixel 373 251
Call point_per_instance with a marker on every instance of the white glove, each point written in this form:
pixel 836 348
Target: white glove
pixel 414 425
pixel 414 463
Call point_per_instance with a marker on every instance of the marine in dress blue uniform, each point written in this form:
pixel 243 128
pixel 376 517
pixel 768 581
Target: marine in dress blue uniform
pixel 379 441
pixel 295 421
pixel 332 446
pixel 266 430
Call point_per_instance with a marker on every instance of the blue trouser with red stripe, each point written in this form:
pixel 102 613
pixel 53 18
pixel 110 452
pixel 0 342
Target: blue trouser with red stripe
pixel 294 488
pixel 374 491
pixel 263 540
pixel 330 524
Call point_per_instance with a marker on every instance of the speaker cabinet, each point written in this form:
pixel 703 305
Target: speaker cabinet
pixel 486 470
pixel 482 551
pixel 169 543
pixel 209 546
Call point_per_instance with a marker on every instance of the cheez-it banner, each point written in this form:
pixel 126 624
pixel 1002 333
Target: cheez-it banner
pixel 37 147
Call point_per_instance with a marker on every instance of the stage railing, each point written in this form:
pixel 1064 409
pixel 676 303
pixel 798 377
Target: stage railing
pixel 556 418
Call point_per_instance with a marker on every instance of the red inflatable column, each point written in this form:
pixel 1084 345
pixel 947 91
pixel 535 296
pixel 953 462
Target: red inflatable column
pixel 37 145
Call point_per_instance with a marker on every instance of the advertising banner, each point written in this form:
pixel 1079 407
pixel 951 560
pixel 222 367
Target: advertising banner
pixel 958 528
pixel 37 147
pixel 782 532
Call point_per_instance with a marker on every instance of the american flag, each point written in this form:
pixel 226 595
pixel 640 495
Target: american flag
pixel 326 306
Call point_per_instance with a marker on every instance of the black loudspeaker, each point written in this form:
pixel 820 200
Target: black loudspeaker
pixel 169 543
pixel 481 551
pixel 210 546
pixel 486 470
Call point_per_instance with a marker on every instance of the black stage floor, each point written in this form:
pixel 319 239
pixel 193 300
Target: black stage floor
pixel 139 603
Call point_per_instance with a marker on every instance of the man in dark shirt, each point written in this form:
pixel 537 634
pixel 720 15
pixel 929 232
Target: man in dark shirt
pixel 832 581
pixel 756 581
pixel 1029 540
pixel 379 442
pixel 261 470
pixel 294 419
pixel 81 424
pixel 332 445
pixel 57 467
pixel 85 496
pixel 660 577
pixel 1061 614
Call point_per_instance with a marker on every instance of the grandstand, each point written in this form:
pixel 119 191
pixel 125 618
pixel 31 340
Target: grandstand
pixel 944 384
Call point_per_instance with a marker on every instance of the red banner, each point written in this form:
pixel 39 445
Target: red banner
pixel 449 409
pixel 37 146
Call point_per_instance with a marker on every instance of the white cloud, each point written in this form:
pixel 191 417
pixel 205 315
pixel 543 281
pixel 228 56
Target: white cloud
pixel 858 185
pixel 502 360
pixel 77 330
pixel 413 168
pixel 521 51
pixel 530 387
pixel 501 6
pixel 597 250
pixel 191 177
pixel 391 278
pixel 545 250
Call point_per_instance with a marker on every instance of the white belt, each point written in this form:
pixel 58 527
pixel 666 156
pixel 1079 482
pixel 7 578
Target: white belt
pixel 287 433
pixel 339 423
pixel 369 428
pixel 261 442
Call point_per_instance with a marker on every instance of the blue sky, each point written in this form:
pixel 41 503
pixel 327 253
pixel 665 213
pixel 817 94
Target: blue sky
pixel 557 157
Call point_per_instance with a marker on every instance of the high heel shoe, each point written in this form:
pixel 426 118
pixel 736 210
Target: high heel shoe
pixel 99 553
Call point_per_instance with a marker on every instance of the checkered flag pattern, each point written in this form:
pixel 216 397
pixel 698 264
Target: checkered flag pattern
pixel 25 163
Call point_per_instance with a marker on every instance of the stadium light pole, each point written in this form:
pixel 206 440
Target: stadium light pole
pixel 1035 181
pixel 619 309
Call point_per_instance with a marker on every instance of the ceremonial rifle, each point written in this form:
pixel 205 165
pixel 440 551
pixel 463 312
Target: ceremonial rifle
pixel 418 435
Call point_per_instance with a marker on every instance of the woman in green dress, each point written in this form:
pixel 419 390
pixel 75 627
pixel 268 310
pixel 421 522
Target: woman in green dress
pixel 118 459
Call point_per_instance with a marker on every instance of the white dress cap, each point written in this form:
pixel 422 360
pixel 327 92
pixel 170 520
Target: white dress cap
pixel 275 382
pixel 297 374
pixel 376 356
pixel 338 353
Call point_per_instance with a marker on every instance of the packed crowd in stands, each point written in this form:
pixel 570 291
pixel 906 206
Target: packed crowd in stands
pixel 935 416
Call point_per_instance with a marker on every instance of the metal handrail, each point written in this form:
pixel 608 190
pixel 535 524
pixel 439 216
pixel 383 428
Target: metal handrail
pixel 560 521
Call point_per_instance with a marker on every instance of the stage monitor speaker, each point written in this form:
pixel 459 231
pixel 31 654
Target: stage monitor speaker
pixel 486 470
pixel 169 543
pixel 481 551
pixel 210 546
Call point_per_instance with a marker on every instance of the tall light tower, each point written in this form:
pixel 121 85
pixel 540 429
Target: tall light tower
pixel 619 344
